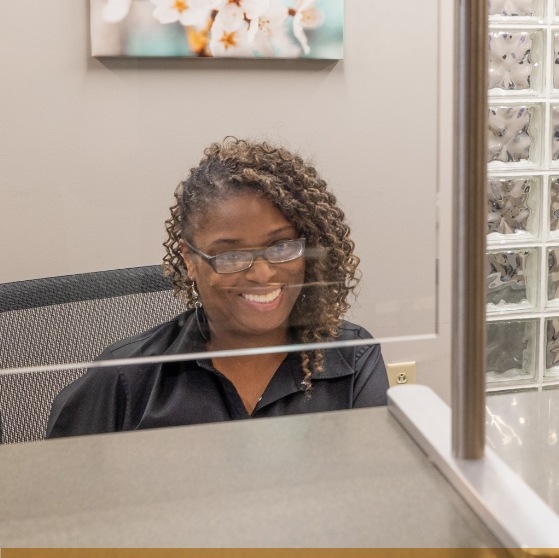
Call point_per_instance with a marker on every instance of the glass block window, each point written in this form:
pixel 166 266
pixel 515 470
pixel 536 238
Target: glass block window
pixel 512 350
pixel 514 134
pixel 553 276
pixel 515 9
pixel 513 207
pixel 554 206
pixel 515 60
pixel 552 348
pixel 512 279
pixel 555 75
pixel 522 279
pixel 554 133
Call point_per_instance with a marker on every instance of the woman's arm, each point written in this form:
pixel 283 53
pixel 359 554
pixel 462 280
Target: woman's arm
pixel 371 380
pixel 92 404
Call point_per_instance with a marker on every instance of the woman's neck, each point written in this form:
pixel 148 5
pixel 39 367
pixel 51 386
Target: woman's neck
pixel 223 340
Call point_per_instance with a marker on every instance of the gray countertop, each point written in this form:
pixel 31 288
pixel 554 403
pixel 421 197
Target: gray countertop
pixel 340 479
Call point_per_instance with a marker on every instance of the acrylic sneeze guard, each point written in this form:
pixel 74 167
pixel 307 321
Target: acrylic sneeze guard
pixel 454 439
pixel 93 178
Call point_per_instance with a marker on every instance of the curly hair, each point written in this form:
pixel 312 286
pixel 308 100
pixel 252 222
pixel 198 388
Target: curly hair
pixel 294 187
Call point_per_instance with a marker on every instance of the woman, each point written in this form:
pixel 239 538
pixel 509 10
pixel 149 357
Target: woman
pixel 260 251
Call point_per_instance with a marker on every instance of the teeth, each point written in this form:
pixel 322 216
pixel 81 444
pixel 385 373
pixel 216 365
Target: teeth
pixel 262 299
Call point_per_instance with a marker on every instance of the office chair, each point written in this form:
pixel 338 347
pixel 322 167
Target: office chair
pixel 64 320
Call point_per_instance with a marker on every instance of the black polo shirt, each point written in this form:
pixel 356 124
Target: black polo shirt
pixel 193 392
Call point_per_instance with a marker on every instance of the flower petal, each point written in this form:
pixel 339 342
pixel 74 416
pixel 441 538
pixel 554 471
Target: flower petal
pixel 116 10
pixel 231 17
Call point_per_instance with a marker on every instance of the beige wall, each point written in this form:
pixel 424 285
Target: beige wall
pixel 92 149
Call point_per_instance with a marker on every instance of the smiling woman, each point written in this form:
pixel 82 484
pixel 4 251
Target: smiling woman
pixel 250 299
pixel 260 252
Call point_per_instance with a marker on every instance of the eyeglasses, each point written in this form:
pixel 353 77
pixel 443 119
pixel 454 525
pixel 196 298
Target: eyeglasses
pixel 240 260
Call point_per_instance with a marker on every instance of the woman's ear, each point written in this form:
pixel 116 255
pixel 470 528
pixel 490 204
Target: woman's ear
pixel 185 252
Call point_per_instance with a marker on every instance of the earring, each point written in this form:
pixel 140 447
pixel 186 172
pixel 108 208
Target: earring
pixel 195 296
pixel 300 301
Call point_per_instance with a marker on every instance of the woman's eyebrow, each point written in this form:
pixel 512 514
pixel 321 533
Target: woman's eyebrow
pixel 281 231
pixel 226 242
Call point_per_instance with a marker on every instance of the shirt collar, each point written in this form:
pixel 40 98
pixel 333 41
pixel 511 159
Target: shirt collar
pixel 192 335
pixel 289 377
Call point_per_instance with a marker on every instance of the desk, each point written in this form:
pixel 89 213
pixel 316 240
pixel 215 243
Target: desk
pixel 339 479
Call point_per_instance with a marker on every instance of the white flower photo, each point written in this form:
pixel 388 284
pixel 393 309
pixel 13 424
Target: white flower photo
pixel 218 28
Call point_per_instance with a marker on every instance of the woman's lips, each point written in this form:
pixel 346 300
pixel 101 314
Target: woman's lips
pixel 266 298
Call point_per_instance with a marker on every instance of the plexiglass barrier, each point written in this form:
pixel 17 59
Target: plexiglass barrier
pixel 521 417
pixel 93 161
pixel 118 394
pixel 93 176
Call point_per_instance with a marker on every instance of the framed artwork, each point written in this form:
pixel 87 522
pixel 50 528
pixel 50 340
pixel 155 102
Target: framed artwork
pixel 218 28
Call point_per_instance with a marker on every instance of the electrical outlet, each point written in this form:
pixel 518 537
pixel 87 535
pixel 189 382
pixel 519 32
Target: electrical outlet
pixel 401 373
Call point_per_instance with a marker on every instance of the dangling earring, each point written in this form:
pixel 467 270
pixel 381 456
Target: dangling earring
pixel 195 296
pixel 199 313
pixel 299 302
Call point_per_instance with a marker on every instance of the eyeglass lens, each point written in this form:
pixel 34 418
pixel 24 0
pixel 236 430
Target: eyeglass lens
pixel 240 260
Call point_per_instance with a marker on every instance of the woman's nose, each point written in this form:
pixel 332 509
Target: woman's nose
pixel 261 271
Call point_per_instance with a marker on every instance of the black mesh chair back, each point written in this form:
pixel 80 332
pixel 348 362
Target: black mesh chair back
pixel 68 319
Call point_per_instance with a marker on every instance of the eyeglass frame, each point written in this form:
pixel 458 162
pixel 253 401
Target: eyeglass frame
pixel 259 252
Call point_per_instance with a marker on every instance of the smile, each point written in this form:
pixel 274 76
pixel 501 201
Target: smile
pixel 263 298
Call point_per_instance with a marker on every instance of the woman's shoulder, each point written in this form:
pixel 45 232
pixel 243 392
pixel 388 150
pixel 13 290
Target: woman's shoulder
pixel 154 341
pixel 349 331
